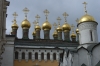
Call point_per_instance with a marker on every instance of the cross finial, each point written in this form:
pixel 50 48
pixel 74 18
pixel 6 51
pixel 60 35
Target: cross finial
pixel 46 13
pixel 25 10
pixel 37 17
pixel 35 23
pixel 85 7
pixel 15 15
pixel 59 19
pixel 55 25
pixel 72 27
pixel 65 16
pixel 77 20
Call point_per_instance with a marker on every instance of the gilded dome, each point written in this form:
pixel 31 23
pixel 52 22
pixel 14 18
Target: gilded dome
pixel 59 28
pixel 46 25
pixel 86 18
pixel 66 26
pixel 77 30
pixel 25 24
pixel 14 26
pixel 73 35
pixel 55 34
pixel 37 27
pixel 34 33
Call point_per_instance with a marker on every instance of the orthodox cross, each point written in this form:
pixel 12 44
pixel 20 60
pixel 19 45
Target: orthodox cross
pixel 37 17
pixel 35 23
pixel 85 7
pixel 72 26
pixel 65 16
pixel 77 20
pixel 36 64
pixel 59 19
pixel 25 10
pixel 15 15
pixel 55 25
pixel 46 13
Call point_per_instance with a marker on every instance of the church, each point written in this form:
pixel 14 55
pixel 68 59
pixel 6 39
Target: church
pixel 77 48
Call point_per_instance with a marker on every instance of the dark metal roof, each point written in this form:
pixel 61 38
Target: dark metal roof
pixel 43 42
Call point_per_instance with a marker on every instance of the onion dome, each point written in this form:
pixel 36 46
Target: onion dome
pixel 77 30
pixel 25 24
pixel 37 27
pixel 73 35
pixel 86 18
pixel 59 28
pixel 14 25
pixel 66 26
pixel 46 25
pixel 34 33
pixel 55 34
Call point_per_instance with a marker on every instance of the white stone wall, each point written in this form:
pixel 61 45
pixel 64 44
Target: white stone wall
pixel 84 30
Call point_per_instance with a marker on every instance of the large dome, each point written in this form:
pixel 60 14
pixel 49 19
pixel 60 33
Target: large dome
pixel 86 18
pixel 25 24
pixel 66 26
pixel 46 26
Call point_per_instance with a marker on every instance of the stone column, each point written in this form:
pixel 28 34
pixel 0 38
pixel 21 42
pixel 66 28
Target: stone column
pixel 33 56
pixel 39 56
pixel 46 34
pixel 51 56
pixel 19 56
pixel 25 33
pixel 45 56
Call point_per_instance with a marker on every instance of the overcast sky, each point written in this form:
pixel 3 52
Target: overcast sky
pixel 74 8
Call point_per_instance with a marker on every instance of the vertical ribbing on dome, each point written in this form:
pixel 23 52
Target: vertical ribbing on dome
pixel 14 25
pixel 59 29
pixel 66 28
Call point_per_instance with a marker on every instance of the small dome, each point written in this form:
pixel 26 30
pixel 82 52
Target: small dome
pixel 55 34
pixel 66 26
pixel 25 24
pixel 77 30
pixel 14 26
pixel 37 27
pixel 34 33
pixel 73 35
pixel 59 29
pixel 86 18
pixel 46 25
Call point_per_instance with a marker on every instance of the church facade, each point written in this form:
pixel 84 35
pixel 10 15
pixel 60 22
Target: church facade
pixel 81 50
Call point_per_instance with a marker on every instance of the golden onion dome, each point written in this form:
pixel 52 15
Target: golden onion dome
pixel 37 27
pixel 66 26
pixel 77 30
pixel 55 34
pixel 46 25
pixel 14 26
pixel 73 35
pixel 59 28
pixel 86 18
pixel 25 24
pixel 34 33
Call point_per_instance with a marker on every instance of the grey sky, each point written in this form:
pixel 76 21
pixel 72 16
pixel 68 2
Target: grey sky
pixel 74 8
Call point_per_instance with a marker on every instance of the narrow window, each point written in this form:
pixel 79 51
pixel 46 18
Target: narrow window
pixel 36 56
pixel 48 56
pixel 54 56
pixel 16 55
pixel 30 55
pixel 91 35
pixel 23 55
pixel 42 56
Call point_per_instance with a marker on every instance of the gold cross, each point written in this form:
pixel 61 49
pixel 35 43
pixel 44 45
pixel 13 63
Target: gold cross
pixel 15 15
pixel 55 25
pixel 72 27
pixel 37 16
pixel 59 19
pixel 77 20
pixel 65 15
pixel 85 7
pixel 14 21
pixel 25 10
pixel 46 13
